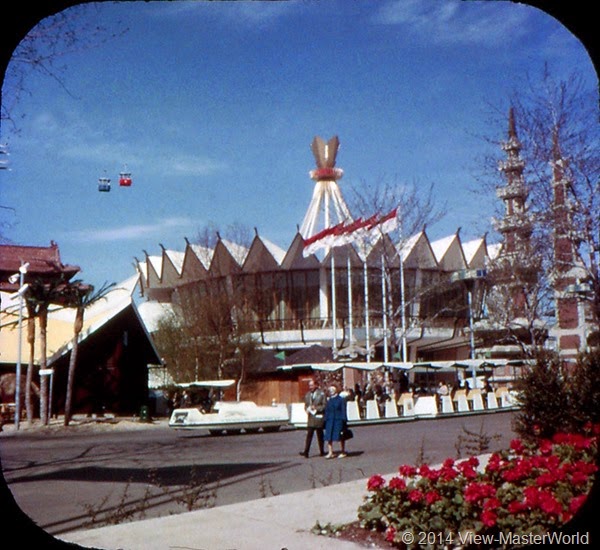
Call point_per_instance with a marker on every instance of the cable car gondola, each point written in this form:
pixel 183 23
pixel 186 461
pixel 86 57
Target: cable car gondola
pixel 125 179
pixel 104 184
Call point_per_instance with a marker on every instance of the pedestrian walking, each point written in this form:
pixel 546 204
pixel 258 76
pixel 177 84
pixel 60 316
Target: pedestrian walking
pixel 336 421
pixel 314 405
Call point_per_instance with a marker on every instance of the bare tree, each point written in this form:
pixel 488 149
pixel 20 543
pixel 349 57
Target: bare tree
pixel 416 209
pixel 177 347
pixel 45 49
pixel 416 203
pixel 218 324
pixel 208 335
pixel 557 122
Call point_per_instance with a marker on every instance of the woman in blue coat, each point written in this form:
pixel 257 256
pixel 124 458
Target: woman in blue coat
pixel 335 421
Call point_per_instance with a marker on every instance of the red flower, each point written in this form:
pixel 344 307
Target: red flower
pixel 549 478
pixel 375 482
pixel 488 517
pixel 584 467
pixel 520 470
pixel 448 473
pixel 579 478
pixel 469 473
pixel 390 533
pixel 560 438
pixel 415 495
pixel 473 461
pixel 407 470
pixel 432 496
pixel 467 468
pixel 576 503
pixel 478 491
pixel 448 463
pixel 492 504
pixel 494 463
pixel 516 506
pixel 532 497
pixel 429 473
pixel 397 483
pixel 545 446
pixel 577 441
pixel 517 446
pixel 549 503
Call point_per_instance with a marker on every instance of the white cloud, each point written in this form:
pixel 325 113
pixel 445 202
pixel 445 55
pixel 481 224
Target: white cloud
pixel 77 140
pixel 248 13
pixel 194 166
pixel 456 21
pixel 130 232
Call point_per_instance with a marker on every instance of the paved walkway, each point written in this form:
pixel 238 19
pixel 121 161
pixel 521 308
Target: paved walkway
pixel 273 523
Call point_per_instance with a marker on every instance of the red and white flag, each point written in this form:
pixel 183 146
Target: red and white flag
pixel 343 234
pixel 389 222
pixel 322 239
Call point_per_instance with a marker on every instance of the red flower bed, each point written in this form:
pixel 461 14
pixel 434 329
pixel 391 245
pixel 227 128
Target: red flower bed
pixel 531 488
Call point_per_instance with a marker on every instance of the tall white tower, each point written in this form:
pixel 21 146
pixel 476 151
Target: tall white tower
pixel 327 206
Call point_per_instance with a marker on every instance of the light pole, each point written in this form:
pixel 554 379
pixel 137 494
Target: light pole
pixel 22 289
pixel 468 277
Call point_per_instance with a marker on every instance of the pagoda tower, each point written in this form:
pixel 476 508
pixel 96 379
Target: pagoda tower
pixel 513 274
pixel 327 206
pixel 514 261
pixel 569 276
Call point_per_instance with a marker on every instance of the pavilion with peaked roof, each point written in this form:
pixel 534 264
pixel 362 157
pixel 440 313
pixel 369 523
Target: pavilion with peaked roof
pixel 343 299
pixel 381 299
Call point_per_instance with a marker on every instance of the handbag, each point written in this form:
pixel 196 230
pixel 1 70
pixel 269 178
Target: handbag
pixel 346 434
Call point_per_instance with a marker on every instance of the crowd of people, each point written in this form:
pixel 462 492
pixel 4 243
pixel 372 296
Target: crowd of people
pixel 326 410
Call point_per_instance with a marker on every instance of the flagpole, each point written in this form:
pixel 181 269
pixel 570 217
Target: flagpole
pixel 333 301
pixel 350 321
pixel 384 309
pixel 403 308
pixel 367 337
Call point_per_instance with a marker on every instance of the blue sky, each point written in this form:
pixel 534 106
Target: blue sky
pixel 213 105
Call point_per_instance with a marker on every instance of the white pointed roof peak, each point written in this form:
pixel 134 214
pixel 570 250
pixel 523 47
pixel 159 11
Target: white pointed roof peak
pixel 277 252
pixel 238 251
pixel 441 246
pixel 406 247
pixel 203 253
pixel 470 248
pixel 176 257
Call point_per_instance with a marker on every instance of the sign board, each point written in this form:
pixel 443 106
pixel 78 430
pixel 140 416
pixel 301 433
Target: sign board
pixel 468 274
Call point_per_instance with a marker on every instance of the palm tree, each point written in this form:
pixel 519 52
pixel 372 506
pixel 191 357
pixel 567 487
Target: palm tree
pixel 79 296
pixel 41 294
pixel 31 315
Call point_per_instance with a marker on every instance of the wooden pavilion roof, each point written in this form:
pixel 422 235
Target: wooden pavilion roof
pixel 44 263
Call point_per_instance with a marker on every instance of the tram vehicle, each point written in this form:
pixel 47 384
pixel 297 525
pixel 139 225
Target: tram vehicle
pixel 202 407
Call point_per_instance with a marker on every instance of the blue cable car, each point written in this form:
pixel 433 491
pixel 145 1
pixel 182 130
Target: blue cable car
pixel 104 184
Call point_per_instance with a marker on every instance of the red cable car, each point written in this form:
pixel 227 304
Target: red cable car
pixel 125 179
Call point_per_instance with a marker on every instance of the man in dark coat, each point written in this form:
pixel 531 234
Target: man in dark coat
pixel 315 402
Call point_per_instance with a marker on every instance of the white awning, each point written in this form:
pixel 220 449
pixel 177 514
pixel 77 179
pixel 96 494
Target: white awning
pixel 207 384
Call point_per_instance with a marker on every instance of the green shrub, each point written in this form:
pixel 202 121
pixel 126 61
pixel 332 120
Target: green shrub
pixel 554 397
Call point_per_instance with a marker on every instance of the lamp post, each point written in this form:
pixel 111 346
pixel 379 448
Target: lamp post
pixel 468 277
pixel 22 289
